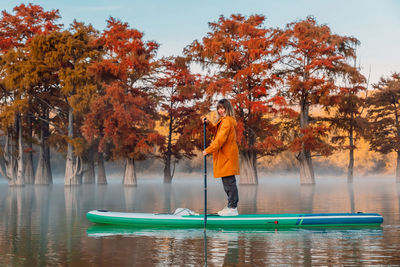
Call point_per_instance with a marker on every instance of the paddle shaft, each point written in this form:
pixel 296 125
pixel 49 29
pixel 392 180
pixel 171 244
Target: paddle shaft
pixel 205 175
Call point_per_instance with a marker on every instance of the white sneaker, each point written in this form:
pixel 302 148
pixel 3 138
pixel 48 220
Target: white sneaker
pixel 228 212
pixel 223 210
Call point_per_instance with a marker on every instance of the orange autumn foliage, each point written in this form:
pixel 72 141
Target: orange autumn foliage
pixel 124 116
pixel 242 52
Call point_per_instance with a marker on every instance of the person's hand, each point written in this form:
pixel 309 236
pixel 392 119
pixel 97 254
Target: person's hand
pixel 204 153
pixel 204 120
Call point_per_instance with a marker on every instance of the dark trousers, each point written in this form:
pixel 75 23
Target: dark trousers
pixel 231 190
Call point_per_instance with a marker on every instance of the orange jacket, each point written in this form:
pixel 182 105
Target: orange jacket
pixel 224 147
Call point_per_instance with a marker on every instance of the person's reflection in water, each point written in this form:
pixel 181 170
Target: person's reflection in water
pixel 232 255
pixel 205 247
pixel 222 248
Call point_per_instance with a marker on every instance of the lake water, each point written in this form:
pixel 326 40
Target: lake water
pixel 46 225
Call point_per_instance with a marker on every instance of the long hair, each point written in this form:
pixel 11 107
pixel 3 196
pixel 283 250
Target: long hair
pixel 227 106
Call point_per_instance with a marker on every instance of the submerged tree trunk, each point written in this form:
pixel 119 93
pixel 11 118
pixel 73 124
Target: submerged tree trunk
pixel 167 167
pixel 43 173
pixel 10 164
pixel 248 158
pixel 167 171
pixel 29 174
pixel 248 168
pixel 12 160
pixel 130 173
pixel 351 163
pixel 73 165
pixel 101 171
pixel 20 159
pixel 73 169
pixel 306 167
pixel 89 174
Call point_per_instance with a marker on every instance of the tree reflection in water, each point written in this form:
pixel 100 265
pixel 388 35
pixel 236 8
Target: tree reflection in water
pixel 46 225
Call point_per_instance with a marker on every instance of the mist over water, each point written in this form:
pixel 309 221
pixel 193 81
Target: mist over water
pixel 46 225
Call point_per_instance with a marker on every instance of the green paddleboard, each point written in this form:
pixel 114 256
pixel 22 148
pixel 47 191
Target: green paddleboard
pixel 240 221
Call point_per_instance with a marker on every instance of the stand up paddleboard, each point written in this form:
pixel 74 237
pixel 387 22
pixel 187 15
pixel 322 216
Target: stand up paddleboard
pixel 240 221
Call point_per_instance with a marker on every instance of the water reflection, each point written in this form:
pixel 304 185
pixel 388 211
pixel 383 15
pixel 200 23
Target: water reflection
pixel 248 195
pixel 307 198
pixel 46 225
pixel 398 196
pixel 350 190
pixel 129 197
pixel 264 247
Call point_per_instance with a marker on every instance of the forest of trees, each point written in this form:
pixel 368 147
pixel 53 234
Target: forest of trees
pixel 96 96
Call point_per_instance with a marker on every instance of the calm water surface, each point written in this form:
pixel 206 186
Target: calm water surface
pixel 46 225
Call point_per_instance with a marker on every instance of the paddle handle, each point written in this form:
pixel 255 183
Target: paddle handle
pixel 205 174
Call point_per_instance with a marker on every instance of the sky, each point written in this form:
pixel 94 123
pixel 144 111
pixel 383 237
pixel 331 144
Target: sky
pixel 175 24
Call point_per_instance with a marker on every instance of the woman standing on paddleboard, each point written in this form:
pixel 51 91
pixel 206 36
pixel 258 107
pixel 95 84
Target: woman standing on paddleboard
pixel 225 153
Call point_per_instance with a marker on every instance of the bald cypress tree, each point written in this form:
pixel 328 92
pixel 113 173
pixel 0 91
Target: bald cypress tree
pixel 16 33
pixel 383 113
pixel 313 57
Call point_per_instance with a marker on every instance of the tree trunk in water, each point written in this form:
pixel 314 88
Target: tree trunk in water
pixel 101 171
pixel 13 155
pixel 167 167
pixel 73 165
pixel 20 160
pixel 9 158
pixel 89 176
pixel 306 167
pixel 350 169
pixel 47 160
pixel 73 170
pixel 29 174
pixel 167 171
pixel 43 173
pixel 398 167
pixel 248 168
pixel 130 173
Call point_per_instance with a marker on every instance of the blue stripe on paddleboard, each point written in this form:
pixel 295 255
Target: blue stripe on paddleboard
pixel 341 218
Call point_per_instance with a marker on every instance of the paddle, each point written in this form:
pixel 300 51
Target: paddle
pixel 205 175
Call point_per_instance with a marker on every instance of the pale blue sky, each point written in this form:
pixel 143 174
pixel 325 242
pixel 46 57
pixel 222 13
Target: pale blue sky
pixel 176 23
